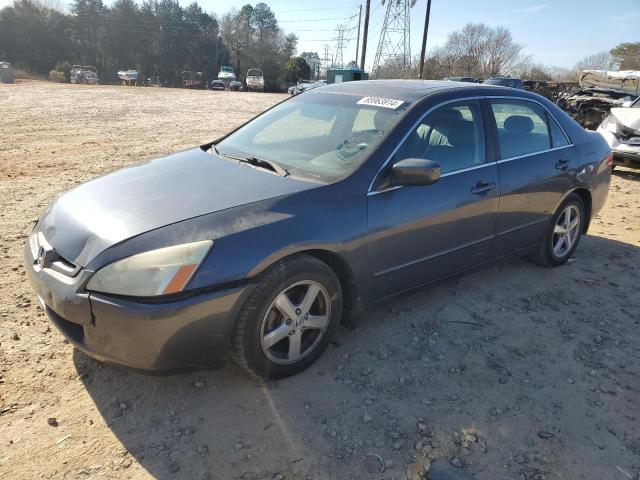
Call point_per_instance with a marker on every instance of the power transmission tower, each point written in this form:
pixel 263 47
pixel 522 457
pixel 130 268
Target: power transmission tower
pixel 339 60
pixel 325 61
pixel 393 57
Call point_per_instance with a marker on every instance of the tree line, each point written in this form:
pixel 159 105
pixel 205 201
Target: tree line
pixel 481 51
pixel 160 38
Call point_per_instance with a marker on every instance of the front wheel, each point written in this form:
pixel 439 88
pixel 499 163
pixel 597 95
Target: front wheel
pixel 564 233
pixel 289 318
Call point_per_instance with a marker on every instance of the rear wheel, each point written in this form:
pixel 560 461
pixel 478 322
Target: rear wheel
pixel 289 318
pixel 564 233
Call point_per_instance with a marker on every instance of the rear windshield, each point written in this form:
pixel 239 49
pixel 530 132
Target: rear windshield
pixel 318 135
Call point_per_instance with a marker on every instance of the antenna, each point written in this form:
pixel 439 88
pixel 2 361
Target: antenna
pixel 393 57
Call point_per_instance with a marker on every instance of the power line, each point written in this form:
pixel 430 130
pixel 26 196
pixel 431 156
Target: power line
pixel 314 9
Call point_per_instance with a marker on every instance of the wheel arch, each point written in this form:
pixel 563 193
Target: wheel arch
pixel 343 271
pixel 585 196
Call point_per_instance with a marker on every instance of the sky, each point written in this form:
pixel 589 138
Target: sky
pixel 555 32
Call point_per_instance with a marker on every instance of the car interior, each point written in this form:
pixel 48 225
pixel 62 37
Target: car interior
pixel 517 136
pixel 452 136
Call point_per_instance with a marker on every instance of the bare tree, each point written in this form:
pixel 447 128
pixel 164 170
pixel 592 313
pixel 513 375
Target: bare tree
pixel 596 61
pixel 479 51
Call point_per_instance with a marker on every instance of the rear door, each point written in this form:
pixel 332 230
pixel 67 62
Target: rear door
pixel 421 233
pixel 536 161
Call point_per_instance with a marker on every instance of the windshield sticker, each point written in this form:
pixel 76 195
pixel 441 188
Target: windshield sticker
pixel 381 102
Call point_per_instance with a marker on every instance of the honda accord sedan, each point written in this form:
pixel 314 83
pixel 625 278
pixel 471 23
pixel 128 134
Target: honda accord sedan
pixel 257 245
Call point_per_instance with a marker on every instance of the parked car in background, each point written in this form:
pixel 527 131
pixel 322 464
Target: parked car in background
pixel 193 80
pixel 129 77
pixel 621 130
pixel 217 85
pixel 505 82
pixel 255 80
pixel 299 88
pixel 226 73
pixel 255 246
pixel 7 75
pixel 83 74
pixel 462 79
pixel 235 85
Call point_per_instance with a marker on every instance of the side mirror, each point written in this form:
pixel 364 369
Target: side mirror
pixel 415 172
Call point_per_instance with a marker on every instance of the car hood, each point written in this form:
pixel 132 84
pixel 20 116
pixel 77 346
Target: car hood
pixel 128 202
pixel 629 117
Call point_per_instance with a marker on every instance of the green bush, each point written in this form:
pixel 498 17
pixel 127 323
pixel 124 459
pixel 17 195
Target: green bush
pixel 65 68
pixel 56 76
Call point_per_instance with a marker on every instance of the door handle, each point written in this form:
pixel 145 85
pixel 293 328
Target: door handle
pixel 482 187
pixel 562 164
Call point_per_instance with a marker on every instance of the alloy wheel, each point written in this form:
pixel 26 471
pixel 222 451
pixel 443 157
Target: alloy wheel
pixel 566 231
pixel 295 322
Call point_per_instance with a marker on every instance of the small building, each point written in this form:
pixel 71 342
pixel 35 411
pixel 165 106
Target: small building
pixel 7 75
pixel 339 75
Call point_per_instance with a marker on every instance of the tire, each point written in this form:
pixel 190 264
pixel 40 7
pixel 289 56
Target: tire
pixel 299 341
pixel 548 253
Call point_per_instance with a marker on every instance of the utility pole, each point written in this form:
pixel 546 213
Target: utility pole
pixel 358 42
pixel 424 40
pixel 364 34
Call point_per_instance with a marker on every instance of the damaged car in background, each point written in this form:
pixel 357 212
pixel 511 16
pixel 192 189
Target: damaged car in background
pixel 600 91
pixel 621 130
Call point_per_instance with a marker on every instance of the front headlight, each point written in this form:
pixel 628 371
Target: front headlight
pixel 157 272
pixel 610 124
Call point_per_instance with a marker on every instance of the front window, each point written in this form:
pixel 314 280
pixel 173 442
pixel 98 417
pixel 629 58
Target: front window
pixel 319 135
pixel 451 135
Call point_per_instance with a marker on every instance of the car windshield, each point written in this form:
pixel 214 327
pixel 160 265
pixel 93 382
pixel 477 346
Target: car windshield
pixel 319 135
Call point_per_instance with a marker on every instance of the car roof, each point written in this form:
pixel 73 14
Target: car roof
pixel 414 90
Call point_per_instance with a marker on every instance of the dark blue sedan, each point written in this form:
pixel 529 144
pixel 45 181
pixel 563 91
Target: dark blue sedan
pixel 257 245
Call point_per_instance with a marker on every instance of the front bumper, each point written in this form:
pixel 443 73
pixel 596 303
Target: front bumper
pixel 626 158
pixel 624 154
pixel 193 332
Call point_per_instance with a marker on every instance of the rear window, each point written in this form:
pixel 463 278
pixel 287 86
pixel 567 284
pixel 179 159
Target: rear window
pixel 522 127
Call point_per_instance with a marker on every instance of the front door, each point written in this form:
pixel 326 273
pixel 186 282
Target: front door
pixel 421 233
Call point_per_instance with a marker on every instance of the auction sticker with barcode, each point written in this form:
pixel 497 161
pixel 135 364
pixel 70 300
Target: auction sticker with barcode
pixel 380 102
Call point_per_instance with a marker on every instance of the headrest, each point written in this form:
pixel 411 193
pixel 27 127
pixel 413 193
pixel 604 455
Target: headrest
pixel 461 134
pixel 446 117
pixel 518 124
pixel 380 118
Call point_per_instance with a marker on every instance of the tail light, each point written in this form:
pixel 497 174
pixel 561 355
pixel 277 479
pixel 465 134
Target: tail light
pixel 609 159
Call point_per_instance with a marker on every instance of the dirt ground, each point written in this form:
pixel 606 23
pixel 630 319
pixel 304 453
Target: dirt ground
pixel 517 372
